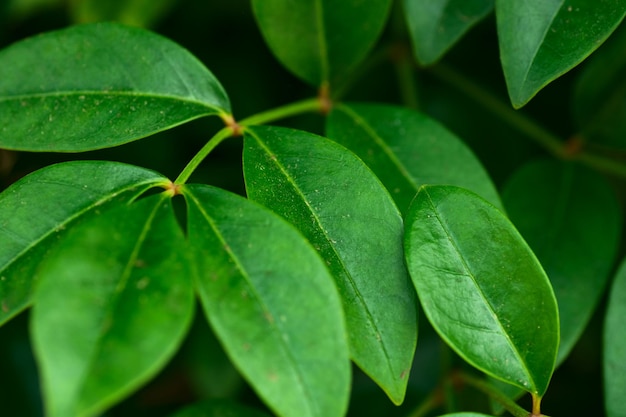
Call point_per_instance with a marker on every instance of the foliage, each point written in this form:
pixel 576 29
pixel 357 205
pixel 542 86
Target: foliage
pixel 381 204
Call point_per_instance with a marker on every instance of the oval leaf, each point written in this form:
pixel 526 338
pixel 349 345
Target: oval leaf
pixel 218 408
pixel 349 217
pixel 102 85
pixel 571 219
pixel 271 302
pixel 66 193
pixel 407 149
pixel 114 303
pixel 615 347
pixel 481 287
pixel 321 40
pixel 436 25
pixel 541 40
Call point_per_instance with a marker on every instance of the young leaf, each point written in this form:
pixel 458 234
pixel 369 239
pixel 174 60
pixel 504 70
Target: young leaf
pixel 271 302
pixel 407 149
pixel 615 347
pixel 114 302
pixel 218 408
pixel 436 25
pixel 571 219
pixel 99 85
pixel 541 40
pixel 320 40
pixel 481 287
pixel 36 211
pixel 349 217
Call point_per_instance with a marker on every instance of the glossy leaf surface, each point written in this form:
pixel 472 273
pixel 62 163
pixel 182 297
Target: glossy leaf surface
pixel 481 287
pixel 571 219
pixel 66 193
pixel 436 25
pixel 541 40
pixel 102 85
pixel 407 149
pixel 349 217
pixel 615 347
pixel 271 302
pixel 320 40
pixel 114 302
pixel 218 408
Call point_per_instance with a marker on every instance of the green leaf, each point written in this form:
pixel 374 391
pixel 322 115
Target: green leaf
pixel 571 219
pixel 218 408
pixel 481 287
pixel 271 302
pixel 407 149
pixel 615 347
pixel 541 40
pixel 321 40
pixel 102 85
pixel 141 13
pixel 599 104
pixel 36 211
pixel 465 415
pixel 114 302
pixel 349 217
pixel 436 25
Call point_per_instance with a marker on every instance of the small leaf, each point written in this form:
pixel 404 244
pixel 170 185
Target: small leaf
pixel 481 287
pixel 436 25
pixel 407 149
pixel 102 85
pixel 541 40
pixel 349 217
pixel 321 40
pixel 571 219
pixel 114 303
pixel 615 347
pixel 271 302
pixel 218 408
pixel 36 212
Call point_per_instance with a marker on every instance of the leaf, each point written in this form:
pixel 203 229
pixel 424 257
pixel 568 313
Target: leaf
pixel 142 13
pixel 571 219
pixel 36 212
pixel 102 85
pixel 465 415
pixel 481 287
pixel 437 25
pixel 271 302
pixel 218 408
pixel 321 41
pixel 114 303
pixel 599 104
pixel 615 347
pixel 348 216
pixel 407 149
pixel 541 40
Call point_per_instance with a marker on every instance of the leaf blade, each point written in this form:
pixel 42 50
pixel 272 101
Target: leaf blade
pixel 614 347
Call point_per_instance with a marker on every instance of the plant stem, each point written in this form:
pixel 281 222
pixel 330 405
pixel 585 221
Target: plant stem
pixel 292 109
pixel 222 134
pixel 432 401
pixel 494 393
pixel 536 406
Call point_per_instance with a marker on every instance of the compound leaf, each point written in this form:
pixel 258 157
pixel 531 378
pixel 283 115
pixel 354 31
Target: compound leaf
pixel 36 212
pixel 114 302
pixel 271 302
pixel 99 85
pixel 615 347
pixel 541 40
pixel 481 287
pixel 321 40
pixel 571 219
pixel 349 217
pixel 436 25
pixel 407 149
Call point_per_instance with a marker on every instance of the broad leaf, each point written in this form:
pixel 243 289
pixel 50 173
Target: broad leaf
pixel 321 40
pixel 114 303
pixel 407 149
pixel 615 347
pixel 37 211
pixel 436 25
pixel 271 302
pixel 541 40
pixel 218 408
pixel 571 219
pixel 599 104
pixel 102 85
pixel 349 217
pixel 481 287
